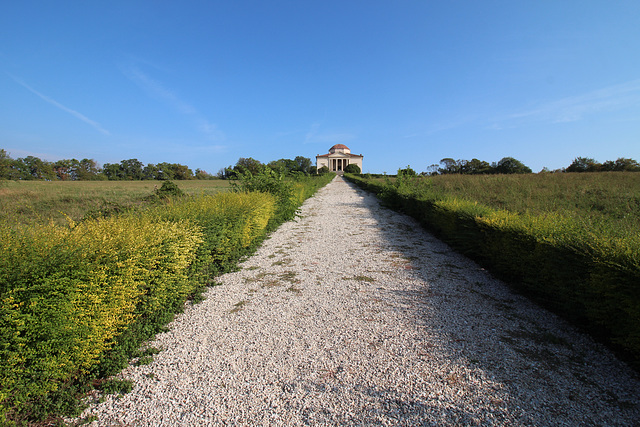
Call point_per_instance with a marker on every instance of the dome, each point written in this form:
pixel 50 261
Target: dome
pixel 339 148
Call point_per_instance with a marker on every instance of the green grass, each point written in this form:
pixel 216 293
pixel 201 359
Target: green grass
pixel 29 202
pixel 607 203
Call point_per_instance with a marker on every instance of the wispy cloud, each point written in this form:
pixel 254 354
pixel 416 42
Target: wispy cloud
pixel 314 135
pixel 157 90
pixel 575 108
pixel 55 103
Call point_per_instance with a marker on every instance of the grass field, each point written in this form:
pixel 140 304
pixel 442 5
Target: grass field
pixel 608 203
pixel 40 201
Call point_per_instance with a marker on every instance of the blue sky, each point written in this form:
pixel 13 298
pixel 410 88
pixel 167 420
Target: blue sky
pixel 204 83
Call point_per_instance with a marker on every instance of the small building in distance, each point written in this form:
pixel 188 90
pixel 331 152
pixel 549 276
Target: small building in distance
pixel 338 158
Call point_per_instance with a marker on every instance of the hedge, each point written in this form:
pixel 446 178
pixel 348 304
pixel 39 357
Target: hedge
pixel 592 281
pixel 76 302
pixel 66 293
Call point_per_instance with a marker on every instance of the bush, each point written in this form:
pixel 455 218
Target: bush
pixel 267 180
pixel 352 168
pixel 77 301
pixel 169 189
pixel 67 292
pixel 591 279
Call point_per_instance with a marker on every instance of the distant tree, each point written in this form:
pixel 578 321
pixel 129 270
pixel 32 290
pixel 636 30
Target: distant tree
pixel 353 168
pixel 113 171
pixel 476 167
pixel 449 165
pixel 88 170
pixel 32 167
pixel 283 165
pixel 165 171
pixel 509 165
pixel 132 169
pixel 626 165
pixel 248 164
pixel 226 173
pixel 150 172
pixel 66 169
pixel 407 171
pixel 6 165
pixel 431 170
pixel 181 172
pixel 200 174
pixel 584 164
pixel 302 164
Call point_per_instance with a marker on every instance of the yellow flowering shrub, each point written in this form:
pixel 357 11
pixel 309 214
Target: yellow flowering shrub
pixel 67 292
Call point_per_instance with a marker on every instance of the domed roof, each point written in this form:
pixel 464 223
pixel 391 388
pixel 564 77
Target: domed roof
pixel 338 146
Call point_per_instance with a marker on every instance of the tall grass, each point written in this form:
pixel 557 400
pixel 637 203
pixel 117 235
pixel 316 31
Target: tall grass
pixel 611 198
pixel 32 202
pixel 606 204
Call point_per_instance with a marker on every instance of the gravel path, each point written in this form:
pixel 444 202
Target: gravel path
pixel 353 315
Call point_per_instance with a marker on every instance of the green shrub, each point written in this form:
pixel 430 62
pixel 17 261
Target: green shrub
pixel 352 168
pixel 77 301
pixel 67 292
pixel 169 189
pixel 584 273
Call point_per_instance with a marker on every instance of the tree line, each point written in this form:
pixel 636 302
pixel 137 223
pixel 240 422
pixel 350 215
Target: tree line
pixel 586 164
pixel 509 165
pixel 506 165
pixel 34 168
pixel 299 165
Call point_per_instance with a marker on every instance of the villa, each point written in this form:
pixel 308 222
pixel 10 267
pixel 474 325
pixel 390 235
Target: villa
pixel 338 158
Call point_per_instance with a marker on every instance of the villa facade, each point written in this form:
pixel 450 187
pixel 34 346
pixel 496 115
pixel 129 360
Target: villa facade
pixel 338 158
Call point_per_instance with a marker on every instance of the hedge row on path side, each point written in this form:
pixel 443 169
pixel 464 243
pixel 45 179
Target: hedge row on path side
pixel 592 281
pixel 76 302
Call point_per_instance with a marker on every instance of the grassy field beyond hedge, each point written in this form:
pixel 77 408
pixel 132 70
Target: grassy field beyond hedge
pixel 39 201
pixel 569 241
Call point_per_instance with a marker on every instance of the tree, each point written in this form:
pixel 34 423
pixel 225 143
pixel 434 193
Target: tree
pixel 584 164
pixel 432 170
pixel 5 165
pixel 32 167
pixel 66 169
pixel 132 169
pixel 476 167
pixel 200 174
pixel 248 164
pixel 302 164
pixel 449 166
pixel 352 168
pixel 165 171
pixel 112 171
pixel 509 165
pixel 406 171
pixel 150 172
pixel 283 165
pixel 88 170
pixel 226 173
pixel 626 165
pixel 181 172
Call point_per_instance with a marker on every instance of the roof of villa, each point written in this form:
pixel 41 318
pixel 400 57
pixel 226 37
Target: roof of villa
pixel 340 154
pixel 339 146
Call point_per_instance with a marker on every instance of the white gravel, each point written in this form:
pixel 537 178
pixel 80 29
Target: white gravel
pixel 353 315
